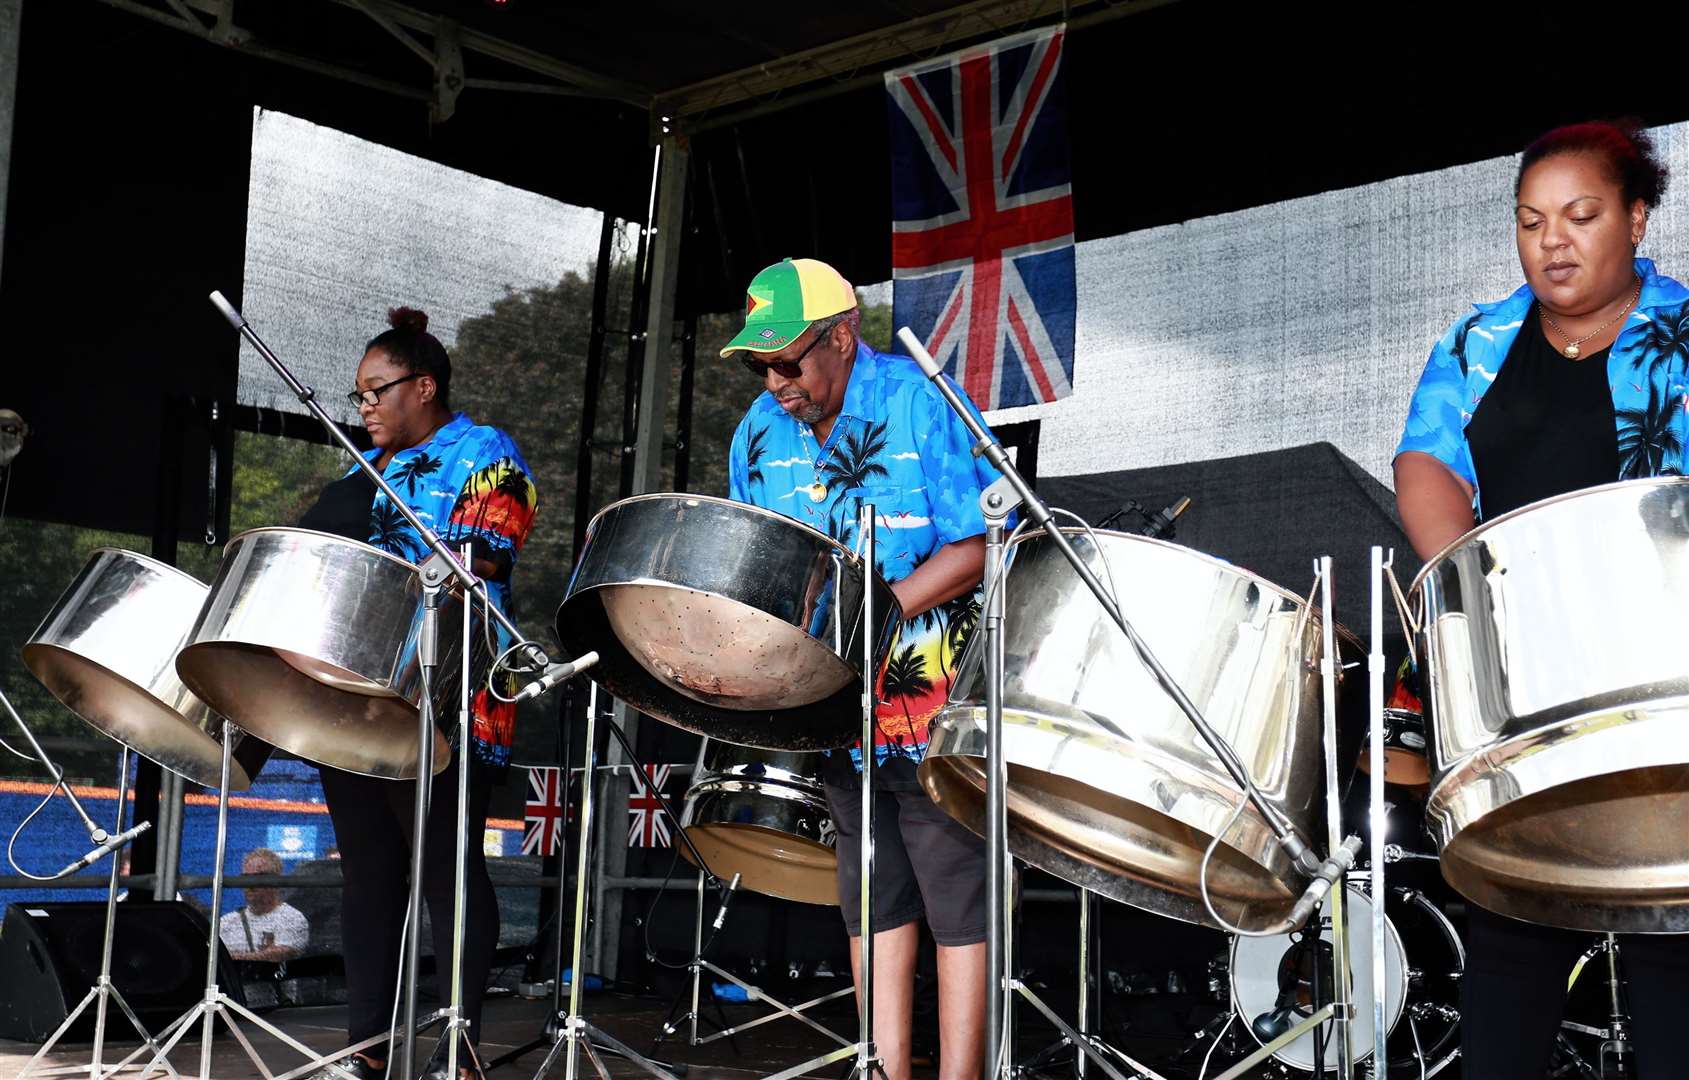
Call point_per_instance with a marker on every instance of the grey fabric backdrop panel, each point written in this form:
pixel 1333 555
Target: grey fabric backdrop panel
pixel 1301 321
pixel 339 230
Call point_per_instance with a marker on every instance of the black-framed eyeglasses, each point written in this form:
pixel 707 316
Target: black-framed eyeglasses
pixel 786 369
pixel 372 396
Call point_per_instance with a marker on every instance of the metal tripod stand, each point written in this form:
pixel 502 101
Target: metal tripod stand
pixel 103 991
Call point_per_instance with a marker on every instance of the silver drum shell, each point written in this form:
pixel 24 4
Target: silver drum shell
pixel 1129 817
pixel 107 650
pixel 763 814
pixel 1556 647
pixel 725 619
pixel 310 641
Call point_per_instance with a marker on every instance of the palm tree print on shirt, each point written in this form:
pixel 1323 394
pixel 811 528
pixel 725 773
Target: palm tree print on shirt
pixel 389 531
pixel 851 465
pixel 1665 342
pixel 417 468
pixel 498 499
pixel 905 678
pixel 756 448
pixel 1647 444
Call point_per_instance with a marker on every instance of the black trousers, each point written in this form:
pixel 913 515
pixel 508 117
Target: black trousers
pixel 372 826
pixel 1513 996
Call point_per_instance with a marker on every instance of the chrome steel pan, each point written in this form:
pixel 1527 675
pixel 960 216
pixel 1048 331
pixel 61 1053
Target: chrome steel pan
pixel 725 619
pixel 108 649
pixel 1556 643
pixel 1130 817
pixel 762 814
pixel 309 641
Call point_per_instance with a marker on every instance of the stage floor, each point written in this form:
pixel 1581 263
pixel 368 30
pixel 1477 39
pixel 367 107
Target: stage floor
pixel 510 1023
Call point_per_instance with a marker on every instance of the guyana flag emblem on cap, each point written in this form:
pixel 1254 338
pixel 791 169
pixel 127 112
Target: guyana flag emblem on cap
pixel 783 300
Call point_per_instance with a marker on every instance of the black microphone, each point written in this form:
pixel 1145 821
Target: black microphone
pixel 1161 523
pixel 726 898
pixel 555 674
pixel 105 849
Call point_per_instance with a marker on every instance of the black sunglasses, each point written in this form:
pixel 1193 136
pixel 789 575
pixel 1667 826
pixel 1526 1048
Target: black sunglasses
pixel 786 369
pixel 372 396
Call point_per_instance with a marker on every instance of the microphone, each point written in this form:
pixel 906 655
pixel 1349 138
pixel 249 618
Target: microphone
pixel 555 674
pixel 1161 522
pixel 1327 875
pixel 105 849
pixel 236 319
pixel 919 353
pixel 726 898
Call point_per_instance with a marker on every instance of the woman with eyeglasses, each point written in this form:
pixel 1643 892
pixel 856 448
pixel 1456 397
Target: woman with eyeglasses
pixel 466 482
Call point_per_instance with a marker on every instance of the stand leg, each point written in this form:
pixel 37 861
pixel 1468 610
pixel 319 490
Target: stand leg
pixel 999 1057
pixel 867 1057
pixel 455 1021
pixel 572 1027
pixel 427 647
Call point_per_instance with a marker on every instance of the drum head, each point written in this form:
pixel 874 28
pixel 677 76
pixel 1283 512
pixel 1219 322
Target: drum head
pixel 1258 986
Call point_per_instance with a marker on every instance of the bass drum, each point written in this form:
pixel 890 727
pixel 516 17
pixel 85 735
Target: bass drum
pixel 762 814
pixel 1423 964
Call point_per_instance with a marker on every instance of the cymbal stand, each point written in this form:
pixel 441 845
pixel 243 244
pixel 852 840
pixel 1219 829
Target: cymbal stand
pixel 216 1003
pixel 700 964
pixel 103 989
pixel 1340 1008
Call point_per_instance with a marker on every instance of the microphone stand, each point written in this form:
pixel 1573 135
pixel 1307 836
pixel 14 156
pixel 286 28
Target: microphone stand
pixel 104 989
pixel 441 566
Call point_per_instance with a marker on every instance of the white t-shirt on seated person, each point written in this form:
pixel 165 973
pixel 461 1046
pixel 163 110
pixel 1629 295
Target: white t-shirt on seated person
pixel 245 931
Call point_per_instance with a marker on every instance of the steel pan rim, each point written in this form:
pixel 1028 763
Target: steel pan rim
pixel 149 561
pixel 1214 561
pixel 759 511
pixel 238 778
pixel 1465 538
pixel 406 563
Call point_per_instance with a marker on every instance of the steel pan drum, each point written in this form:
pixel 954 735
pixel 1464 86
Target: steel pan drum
pixel 1556 643
pixel 309 641
pixel 725 619
pixel 108 649
pixel 1130 817
pixel 762 814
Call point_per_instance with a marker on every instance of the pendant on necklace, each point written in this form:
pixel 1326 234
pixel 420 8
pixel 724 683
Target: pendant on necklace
pixel 1571 352
pixel 817 491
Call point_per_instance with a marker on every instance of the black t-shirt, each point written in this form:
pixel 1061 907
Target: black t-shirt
pixel 343 508
pixel 1545 428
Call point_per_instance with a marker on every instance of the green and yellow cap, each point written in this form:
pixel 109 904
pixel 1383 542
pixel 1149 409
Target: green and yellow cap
pixel 784 299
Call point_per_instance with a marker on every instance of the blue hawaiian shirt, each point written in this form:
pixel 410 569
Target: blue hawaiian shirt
pixel 1645 371
pixel 895 443
pixel 468 482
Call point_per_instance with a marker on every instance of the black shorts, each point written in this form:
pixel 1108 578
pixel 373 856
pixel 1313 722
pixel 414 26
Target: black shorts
pixel 925 863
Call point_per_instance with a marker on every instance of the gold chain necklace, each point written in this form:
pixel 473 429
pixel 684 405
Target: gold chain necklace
pixel 817 489
pixel 1571 350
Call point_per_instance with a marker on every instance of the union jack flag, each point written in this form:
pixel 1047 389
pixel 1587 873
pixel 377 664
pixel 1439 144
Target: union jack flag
pixel 542 832
pixel 648 826
pixel 982 209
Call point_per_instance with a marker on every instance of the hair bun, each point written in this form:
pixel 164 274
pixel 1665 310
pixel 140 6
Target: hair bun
pixel 406 318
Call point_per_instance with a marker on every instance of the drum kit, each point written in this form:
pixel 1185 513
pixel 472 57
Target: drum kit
pixel 1182 763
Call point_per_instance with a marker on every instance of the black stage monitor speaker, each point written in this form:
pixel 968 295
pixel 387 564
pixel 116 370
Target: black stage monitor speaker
pixel 50 957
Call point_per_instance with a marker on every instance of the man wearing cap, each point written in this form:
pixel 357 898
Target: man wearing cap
pixel 839 423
